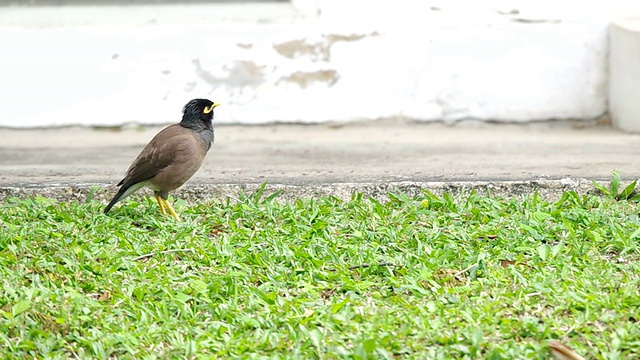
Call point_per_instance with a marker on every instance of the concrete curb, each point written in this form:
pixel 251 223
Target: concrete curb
pixel 550 190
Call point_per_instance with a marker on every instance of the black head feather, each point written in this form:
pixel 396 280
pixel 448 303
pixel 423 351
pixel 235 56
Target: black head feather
pixel 197 114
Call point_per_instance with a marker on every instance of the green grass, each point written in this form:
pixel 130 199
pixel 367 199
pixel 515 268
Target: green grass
pixel 427 278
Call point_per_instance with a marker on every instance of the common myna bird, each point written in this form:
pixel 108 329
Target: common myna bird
pixel 172 156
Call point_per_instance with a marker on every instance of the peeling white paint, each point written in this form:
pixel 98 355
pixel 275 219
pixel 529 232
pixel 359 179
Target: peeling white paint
pixel 425 60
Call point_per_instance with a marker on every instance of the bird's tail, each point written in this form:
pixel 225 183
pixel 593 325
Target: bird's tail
pixel 115 199
pixel 125 190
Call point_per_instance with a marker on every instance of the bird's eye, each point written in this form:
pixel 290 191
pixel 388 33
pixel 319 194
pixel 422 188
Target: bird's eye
pixel 207 109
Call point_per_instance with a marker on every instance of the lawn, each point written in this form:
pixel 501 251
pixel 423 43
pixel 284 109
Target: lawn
pixel 427 277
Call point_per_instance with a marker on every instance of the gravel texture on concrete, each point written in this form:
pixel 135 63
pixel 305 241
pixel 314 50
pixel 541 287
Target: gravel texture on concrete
pixel 550 190
pixel 331 159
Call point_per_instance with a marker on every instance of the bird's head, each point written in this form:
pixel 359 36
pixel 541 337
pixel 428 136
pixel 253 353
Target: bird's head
pixel 198 110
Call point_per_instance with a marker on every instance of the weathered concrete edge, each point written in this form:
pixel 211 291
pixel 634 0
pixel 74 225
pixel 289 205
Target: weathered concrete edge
pixel 549 190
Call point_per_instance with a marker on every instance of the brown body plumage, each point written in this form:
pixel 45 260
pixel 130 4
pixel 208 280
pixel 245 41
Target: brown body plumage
pixel 172 156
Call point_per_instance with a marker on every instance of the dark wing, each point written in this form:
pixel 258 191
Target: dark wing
pixel 157 155
pixel 161 152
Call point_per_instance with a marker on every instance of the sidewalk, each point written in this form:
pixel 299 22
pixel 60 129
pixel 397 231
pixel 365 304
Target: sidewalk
pixel 322 155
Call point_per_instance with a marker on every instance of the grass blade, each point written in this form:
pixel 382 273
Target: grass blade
pixel 600 187
pixel 626 193
pixel 614 186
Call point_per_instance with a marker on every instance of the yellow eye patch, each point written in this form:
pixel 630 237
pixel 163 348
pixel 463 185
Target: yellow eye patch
pixel 209 109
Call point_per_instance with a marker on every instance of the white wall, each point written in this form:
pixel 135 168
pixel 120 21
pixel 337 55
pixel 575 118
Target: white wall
pixel 426 60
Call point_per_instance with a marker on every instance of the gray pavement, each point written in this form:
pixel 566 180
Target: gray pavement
pixel 321 156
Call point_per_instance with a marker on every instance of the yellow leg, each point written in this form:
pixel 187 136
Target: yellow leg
pixel 160 202
pixel 173 212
